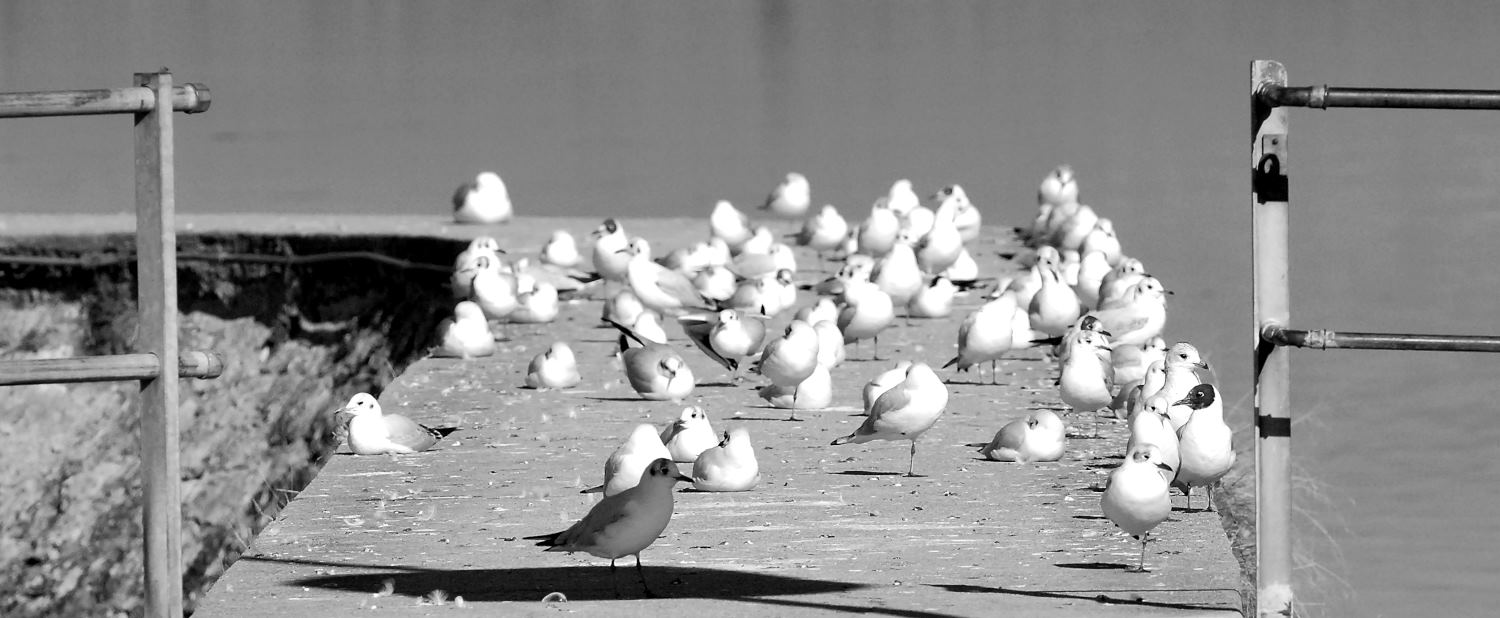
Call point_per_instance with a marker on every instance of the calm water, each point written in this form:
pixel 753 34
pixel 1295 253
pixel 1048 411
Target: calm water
pixel 654 108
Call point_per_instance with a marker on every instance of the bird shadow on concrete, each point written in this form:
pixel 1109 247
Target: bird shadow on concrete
pixel 579 583
pixel 1105 597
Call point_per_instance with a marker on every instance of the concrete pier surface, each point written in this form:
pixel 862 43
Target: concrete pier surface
pixel 828 530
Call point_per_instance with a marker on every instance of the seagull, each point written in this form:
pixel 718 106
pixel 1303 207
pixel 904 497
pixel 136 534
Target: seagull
pixel 537 305
pixel 866 311
pixel 1180 375
pixel 482 200
pixel 654 370
pixel 561 250
pixel 768 295
pixel 555 367
pixel 985 335
pixel 883 382
pixel 689 435
pixel 374 433
pixel 1205 442
pixel 964 272
pixel 830 343
pixel 466 334
pixel 917 222
pixel 823 309
pixel 1132 399
pixel 1059 187
pixel 824 231
pixel 902 198
pixel 760 242
pixel 779 256
pixel 877 234
pixel 856 268
pixel 697 256
pixel 480 245
pixel 647 326
pixel 1151 427
pixel 1136 498
pixel 1103 240
pixel 1063 345
pixel 1092 268
pixel 728 337
pixel 623 306
pixel 716 283
pixel 1119 280
pixel 1038 437
pixel 939 247
pixel 788 360
pixel 728 223
pixel 934 300
pixel 494 291
pixel 966 218
pixel 1085 381
pixel 1054 307
pixel 730 466
pixel 1130 362
pixel 904 412
pixel 624 466
pixel 1069 237
pixel 623 524
pixel 790 199
pixel 813 393
pixel 661 289
pixel 1026 285
pixel 1139 317
pixel 897 273
pixel 610 257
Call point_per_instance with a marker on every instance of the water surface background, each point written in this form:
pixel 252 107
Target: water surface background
pixel 649 108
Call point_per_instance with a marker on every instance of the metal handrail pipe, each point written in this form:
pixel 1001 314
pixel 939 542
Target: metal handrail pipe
pixel 1323 97
pixel 1328 339
pixel 190 98
pixel 111 368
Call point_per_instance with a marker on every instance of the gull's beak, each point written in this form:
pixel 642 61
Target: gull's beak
pixel 1106 333
pixel 1164 467
pixel 681 477
pixel 1183 402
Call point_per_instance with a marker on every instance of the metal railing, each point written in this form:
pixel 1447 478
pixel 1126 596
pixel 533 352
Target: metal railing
pixel 1269 96
pixel 159 364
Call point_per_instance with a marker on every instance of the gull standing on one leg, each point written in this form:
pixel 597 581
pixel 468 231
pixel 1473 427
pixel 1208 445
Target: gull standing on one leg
pixel 904 412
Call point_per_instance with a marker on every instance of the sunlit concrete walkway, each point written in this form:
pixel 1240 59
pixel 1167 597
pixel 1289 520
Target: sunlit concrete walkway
pixel 829 530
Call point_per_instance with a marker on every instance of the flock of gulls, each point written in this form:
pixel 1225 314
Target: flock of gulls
pixel 1093 308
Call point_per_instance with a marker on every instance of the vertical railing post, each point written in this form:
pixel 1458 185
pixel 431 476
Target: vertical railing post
pixel 156 278
pixel 1273 445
